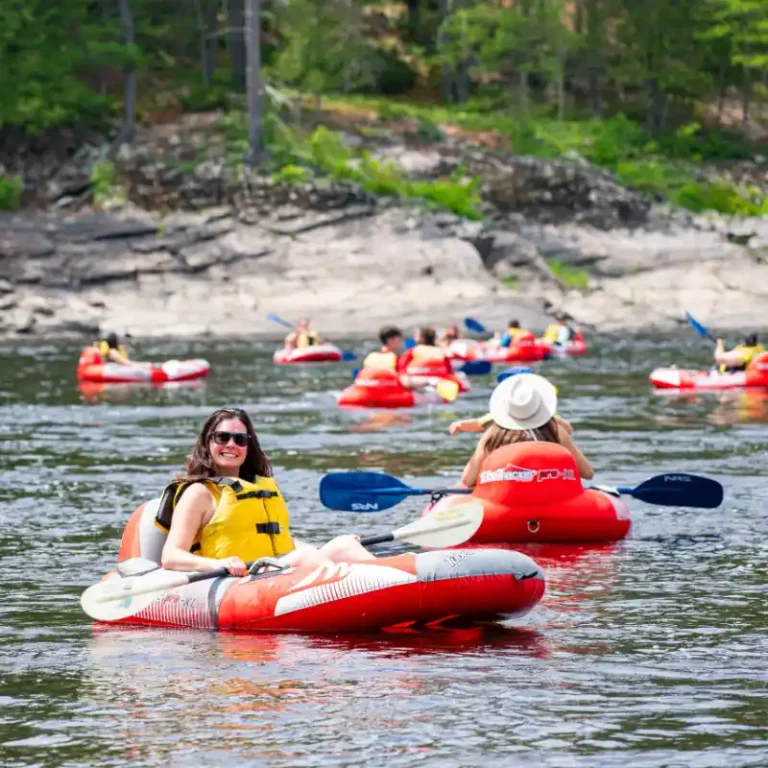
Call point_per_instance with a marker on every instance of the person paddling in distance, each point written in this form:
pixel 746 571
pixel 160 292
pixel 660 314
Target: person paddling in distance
pixel 110 350
pixel 385 358
pixel 559 332
pixel 738 358
pixel 304 336
pixel 227 508
pixel 513 334
pixel 426 358
pixel 448 336
pixel 523 409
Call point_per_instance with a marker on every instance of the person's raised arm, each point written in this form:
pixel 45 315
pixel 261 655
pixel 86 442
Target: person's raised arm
pixel 584 467
pixel 472 469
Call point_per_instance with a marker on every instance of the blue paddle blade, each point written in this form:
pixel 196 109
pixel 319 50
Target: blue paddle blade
pixel 473 325
pixel 361 491
pixel 679 490
pixel 355 371
pixel 476 367
pixel 409 343
pixel 347 356
pixel 697 326
pixel 513 371
pixel 279 320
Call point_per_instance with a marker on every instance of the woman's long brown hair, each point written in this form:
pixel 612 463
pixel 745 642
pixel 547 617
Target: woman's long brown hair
pixel 200 465
pixel 497 436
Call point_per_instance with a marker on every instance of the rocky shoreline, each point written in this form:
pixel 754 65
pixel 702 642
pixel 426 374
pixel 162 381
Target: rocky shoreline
pixel 235 249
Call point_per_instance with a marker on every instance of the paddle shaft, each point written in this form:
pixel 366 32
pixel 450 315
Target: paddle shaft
pixel 417 491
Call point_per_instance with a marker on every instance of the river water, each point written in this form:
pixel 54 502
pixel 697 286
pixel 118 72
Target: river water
pixel 651 652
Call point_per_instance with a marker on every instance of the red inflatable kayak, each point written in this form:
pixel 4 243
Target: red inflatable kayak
pixel 378 388
pixel 317 353
pixel 410 589
pixel 532 492
pixel 156 373
pixel 756 375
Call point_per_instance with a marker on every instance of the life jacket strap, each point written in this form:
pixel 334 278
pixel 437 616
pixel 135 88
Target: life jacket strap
pixel 272 528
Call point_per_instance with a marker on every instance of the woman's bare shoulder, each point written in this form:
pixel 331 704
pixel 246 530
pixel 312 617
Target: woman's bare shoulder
pixel 197 494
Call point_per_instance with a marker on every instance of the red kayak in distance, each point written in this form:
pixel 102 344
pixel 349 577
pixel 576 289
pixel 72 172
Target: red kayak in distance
pixel 756 375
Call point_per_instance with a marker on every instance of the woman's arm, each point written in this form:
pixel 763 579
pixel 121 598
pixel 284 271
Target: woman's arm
pixel 194 510
pixel 472 469
pixel 584 467
pixel 116 357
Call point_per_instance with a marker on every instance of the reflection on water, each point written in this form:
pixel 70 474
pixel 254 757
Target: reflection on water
pixel 646 652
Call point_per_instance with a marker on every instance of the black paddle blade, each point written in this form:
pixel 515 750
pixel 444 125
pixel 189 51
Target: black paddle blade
pixel 680 490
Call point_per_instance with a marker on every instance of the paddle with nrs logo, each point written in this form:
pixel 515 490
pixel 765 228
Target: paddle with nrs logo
pixel 517 474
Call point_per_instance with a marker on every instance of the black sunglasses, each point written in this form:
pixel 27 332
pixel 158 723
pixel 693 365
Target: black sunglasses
pixel 222 438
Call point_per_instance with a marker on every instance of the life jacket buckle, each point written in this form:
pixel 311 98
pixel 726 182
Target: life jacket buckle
pixel 271 528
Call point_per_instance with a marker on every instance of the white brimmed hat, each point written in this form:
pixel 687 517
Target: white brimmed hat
pixel 525 401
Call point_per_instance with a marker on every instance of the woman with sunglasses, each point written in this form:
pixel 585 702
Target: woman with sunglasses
pixel 227 509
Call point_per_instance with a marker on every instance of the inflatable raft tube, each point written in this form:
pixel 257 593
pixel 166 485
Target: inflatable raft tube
pixel 376 388
pixel 156 373
pixel 756 375
pixel 317 353
pixel 530 351
pixel 422 588
pixel 532 492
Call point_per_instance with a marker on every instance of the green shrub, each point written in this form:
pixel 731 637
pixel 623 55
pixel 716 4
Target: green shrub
pixel 571 276
pixel 454 194
pixel 292 174
pixel 724 198
pixel 393 75
pixel 510 282
pixel 389 111
pixel 428 132
pixel 650 176
pixel 104 183
pixel 10 193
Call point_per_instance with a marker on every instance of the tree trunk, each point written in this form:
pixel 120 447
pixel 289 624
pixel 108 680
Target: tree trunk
pixel 657 103
pixel 128 127
pixel 414 19
pixel 206 17
pixel 561 89
pixel 522 93
pixel 210 39
pixel 106 11
pixel 746 98
pixel 237 41
pixel 462 82
pixel 721 88
pixel 446 69
pixel 594 47
pixel 253 80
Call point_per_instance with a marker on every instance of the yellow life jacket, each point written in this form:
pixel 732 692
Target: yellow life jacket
pixel 516 333
pixel 306 339
pixel 385 361
pixel 423 353
pixel 104 349
pixel 250 521
pixel 552 333
pixel 745 356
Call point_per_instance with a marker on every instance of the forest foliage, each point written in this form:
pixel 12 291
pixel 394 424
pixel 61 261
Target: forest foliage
pixel 634 86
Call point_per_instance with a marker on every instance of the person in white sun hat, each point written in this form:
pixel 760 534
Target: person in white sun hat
pixel 523 409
